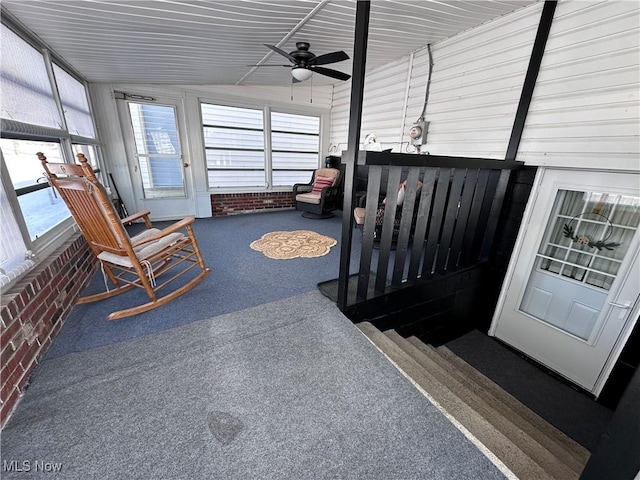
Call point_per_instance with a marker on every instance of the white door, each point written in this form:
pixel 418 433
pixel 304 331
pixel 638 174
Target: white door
pixel 571 294
pixel 159 169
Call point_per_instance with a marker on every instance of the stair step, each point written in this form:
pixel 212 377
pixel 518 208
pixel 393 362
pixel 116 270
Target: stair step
pixel 466 392
pixel 566 451
pixel 570 451
pixel 522 465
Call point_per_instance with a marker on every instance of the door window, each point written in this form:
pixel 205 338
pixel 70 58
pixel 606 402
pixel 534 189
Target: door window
pixel 587 237
pixel 158 150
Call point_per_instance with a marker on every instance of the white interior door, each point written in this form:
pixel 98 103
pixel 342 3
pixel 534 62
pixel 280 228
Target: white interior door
pixel 571 292
pixel 159 169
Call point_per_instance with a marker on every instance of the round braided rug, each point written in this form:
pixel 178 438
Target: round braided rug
pixel 299 243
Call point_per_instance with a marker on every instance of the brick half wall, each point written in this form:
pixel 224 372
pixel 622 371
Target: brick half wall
pixel 233 203
pixel 33 312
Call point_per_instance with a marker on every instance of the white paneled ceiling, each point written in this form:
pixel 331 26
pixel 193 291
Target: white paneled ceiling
pixel 216 42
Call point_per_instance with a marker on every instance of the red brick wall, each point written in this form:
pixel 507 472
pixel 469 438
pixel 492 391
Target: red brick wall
pixel 232 203
pixel 33 311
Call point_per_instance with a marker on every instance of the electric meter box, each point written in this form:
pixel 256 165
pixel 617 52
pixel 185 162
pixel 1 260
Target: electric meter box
pixel 418 133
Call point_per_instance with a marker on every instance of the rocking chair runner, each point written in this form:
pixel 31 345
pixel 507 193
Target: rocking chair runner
pixel 150 260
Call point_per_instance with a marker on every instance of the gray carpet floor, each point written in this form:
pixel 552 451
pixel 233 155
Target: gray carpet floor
pixel 286 390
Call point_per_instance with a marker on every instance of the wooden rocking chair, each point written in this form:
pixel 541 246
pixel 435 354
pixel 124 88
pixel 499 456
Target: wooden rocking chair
pixel 150 260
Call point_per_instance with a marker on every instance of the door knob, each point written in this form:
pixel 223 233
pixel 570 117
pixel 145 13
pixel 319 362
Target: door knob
pixel 185 165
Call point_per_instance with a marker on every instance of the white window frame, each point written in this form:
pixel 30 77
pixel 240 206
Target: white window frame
pixel 267 132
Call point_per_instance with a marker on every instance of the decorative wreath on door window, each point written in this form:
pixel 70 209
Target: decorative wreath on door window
pixel 586 239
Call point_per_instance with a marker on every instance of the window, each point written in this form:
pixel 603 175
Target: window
pixel 14 256
pixel 39 114
pixel 234 146
pixel 73 97
pixel 41 208
pixel 295 145
pixel 27 95
pixel 236 141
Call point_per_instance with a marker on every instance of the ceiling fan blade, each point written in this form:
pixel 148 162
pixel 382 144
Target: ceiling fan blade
pixel 281 52
pixel 331 73
pixel 329 58
pixel 269 65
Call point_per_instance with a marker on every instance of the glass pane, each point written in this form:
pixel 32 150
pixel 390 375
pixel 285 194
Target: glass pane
pixel 41 210
pixel 290 177
pixel 154 127
pixel 295 142
pixel 583 223
pixel 234 159
pixel 74 103
pixel 27 95
pixel 158 147
pixel 161 176
pixel 217 137
pixel 295 161
pixel 232 116
pixel 89 152
pixel 236 178
pixel 288 122
pixel 13 248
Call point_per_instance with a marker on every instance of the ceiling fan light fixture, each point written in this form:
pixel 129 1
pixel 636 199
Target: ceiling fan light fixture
pixel 301 74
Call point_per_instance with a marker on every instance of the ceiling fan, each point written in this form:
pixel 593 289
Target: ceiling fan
pixel 304 63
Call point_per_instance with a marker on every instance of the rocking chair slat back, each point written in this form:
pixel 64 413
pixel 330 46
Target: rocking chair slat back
pixel 125 263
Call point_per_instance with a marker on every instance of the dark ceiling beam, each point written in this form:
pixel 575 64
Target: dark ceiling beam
pixel 349 158
pixel 531 77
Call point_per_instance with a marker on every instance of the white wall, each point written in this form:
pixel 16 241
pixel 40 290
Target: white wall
pixel 584 112
pixel 475 86
pixel 306 99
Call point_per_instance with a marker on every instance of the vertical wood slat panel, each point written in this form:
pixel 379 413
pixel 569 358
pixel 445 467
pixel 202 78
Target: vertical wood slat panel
pixel 450 219
pixel 474 216
pixel 373 192
pixel 406 225
pixel 435 224
pixel 466 202
pixel 424 214
pixel 388 223
pixel 449 224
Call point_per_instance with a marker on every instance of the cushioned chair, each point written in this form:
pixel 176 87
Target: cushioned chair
pixel 151 260
pixel 320 196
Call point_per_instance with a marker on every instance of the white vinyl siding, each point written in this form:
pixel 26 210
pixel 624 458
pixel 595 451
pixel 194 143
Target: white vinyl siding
pixel 475 88
pixel 382 108
pixel 476 85
pixel 584 110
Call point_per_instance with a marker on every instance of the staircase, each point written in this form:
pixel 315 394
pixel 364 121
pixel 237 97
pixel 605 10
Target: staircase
pixel 525 443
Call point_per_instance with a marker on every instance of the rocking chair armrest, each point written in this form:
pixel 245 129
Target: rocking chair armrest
pixel 166 231
pixel 132 218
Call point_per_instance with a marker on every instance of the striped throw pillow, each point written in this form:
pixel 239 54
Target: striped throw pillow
pixel 321 182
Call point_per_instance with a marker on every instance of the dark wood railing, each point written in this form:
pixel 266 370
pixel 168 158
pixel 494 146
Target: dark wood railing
pixel 444 224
